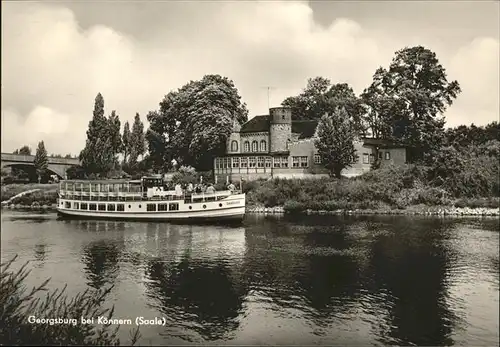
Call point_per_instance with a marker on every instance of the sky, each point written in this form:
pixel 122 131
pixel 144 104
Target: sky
pixel 56 56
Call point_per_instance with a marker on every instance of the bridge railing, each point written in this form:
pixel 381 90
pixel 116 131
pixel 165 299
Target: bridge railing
pixel 31 158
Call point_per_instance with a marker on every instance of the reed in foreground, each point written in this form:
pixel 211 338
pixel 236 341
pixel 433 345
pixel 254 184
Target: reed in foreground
pixel 17 304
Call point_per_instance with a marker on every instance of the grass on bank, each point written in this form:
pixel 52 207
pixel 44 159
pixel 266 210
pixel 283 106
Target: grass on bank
pixel 387 188
pixel 17 304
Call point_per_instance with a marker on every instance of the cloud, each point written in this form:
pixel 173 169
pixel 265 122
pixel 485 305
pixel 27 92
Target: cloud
pixel 52 68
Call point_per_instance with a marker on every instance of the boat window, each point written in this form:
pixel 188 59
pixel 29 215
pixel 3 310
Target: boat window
pixel 83 206
pixel 102 207
pixel 76 205
pixel 120 207
pixel 151 207
pixel 162 207
pixel 67 205
pixel 111 207
pixel 92 207
pixel 173 207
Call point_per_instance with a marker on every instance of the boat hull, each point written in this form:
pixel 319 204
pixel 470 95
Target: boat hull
pixel 234 215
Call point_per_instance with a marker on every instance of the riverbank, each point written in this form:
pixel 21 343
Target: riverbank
pixel 418 210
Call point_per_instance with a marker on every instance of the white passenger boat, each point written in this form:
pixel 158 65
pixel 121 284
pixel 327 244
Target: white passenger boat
pixel 146 199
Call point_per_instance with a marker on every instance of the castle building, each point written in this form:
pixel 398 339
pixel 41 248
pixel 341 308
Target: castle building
pixel 274 145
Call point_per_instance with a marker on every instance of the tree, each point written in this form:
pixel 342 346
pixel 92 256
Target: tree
pixel 309 103
pixel 41 161
pixel 126 141
pixel 97 157
pixel 115 136
pixel 335 142
pixel 416 92
pixel 193 123
pixel 24 150
pixel 137 140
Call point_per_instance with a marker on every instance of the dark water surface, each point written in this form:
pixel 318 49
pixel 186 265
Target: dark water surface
pixel 332 280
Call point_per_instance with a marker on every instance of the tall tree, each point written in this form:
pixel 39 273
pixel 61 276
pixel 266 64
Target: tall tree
pixel 335 142
pixel 41 161
pixel 115 136
pixel 97 157
pixel 419 92
pixel 126 141
pixel 138 141
pixel 193 123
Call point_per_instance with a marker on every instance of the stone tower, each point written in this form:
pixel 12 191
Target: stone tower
pixel 280 128
pixel 235 136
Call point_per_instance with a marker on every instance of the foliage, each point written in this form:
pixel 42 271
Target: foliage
pixel 137 140
pixel 185 175
pixel 463 135
pixel 416 89
pixel 24 150
pixel 126 141
pixel 193 123
pixel 114 134
pixel 335 143
pixel 320 97
pixel 39 197
pixel 11 190
pixel 97 157
pixel 41 161
pixel 18 304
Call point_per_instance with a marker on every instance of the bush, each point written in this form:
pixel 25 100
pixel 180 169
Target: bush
pixel 18 304
pixel 43 198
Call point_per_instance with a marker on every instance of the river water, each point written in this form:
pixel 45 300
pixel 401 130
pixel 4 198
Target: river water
pixel 321 280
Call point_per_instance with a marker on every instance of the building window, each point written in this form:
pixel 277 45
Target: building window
pixel 380 155
pixel 111 207
pixel 244 162
pixel 303 161
pixel 284 161
pixel 268 161
pixel 236 162
pixel 234 146
pixel 162 207
pixel 365 158
pixel 387 155
pixel 151 207
pixel 83 206
pixel 263 146
pixel 252 162
pixel 226 163
pixel 260 162
pixel 101 207
pixel 295 162
pixel 317 159
pixel 255 146
pixel 217 163
pixel 372 158
pixel 120 207
pixel 277 162
pixel 173 207
pixel 246 146
pixel 92 207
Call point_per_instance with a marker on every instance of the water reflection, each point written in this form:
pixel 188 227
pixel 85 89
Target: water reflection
pixel 101 263
pixel 39 254
pixel 196 295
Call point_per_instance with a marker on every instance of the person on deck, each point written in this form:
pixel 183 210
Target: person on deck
pixel 231 187
pixel 210 189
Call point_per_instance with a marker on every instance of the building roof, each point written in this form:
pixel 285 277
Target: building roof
pixel 381 142
pixel 256 124
pixel 305 128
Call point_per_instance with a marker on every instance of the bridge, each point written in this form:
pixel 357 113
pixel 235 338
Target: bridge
pixel 57 165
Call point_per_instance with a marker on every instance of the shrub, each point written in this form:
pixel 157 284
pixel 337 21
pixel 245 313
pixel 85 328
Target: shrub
pixel 18 304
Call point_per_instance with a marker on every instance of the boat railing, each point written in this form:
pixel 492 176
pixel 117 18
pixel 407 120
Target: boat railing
pixel 124 196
